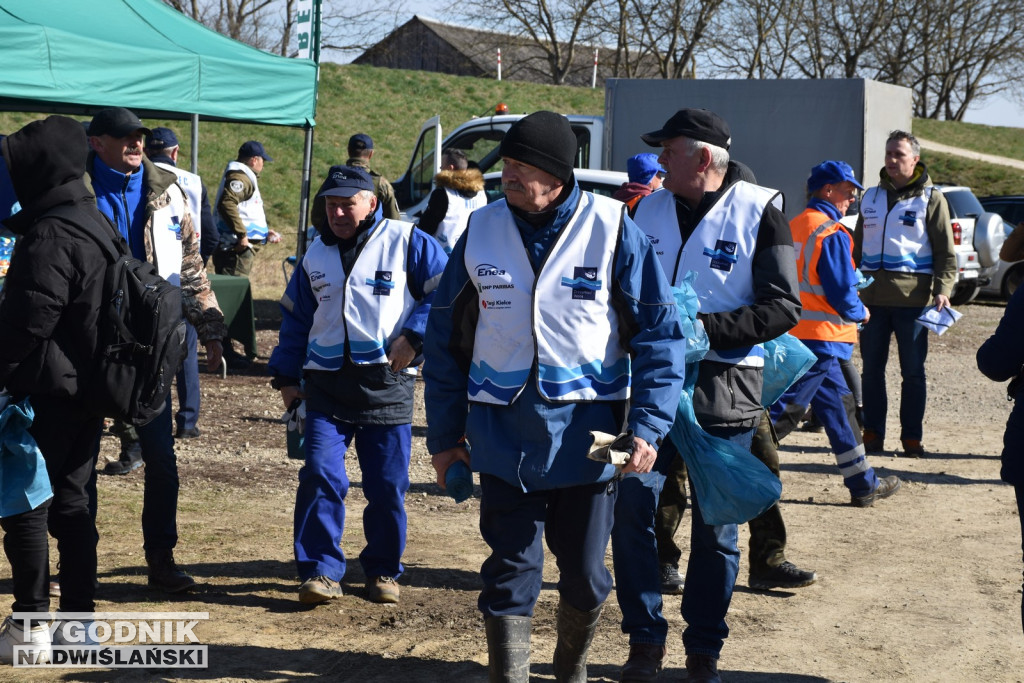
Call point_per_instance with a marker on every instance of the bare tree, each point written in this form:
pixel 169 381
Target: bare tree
pixel 348 27
pixel 952 53
pixel 551 37
pixel 754 38
pixel 672 30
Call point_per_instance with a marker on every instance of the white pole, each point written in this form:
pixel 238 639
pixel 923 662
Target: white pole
pixel 499 63
pixel 593 80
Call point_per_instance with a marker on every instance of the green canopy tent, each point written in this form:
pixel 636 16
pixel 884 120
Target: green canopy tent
pixel 76 57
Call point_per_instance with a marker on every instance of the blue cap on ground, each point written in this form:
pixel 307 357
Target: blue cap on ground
pixel 642 167
pixel 345 181
pixel 252 148
pixel 458 481
pixel 831 173
pixel 160 139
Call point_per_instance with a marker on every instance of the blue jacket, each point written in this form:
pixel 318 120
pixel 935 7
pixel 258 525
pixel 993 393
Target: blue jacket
pixel 534 443
pixel 1000 358
pixel 359 394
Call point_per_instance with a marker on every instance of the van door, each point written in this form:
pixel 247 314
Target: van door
pixel 414 187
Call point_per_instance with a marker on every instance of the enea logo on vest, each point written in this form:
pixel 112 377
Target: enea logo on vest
pixel 723 256
pixel 488 270
pixel 584 283
pixel 381 283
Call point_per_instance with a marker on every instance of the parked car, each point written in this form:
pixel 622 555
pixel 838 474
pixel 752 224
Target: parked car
pixel 1007 276
pixel 977 236
pixel 598 182
pixel 1010 207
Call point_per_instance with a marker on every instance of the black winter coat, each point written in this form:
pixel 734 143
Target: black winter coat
pixel 1001 358
pixel 49 307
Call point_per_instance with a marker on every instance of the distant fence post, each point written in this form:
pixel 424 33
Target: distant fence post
pixel 499 63
pixel 593 79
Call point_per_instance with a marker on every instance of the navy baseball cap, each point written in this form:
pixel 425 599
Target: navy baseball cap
pixel 642 167
pixel 252 148
pixel 831 173
pixel 117 122
pixel 360 141
pixel 696 124
pixel 161 138
pixel 345 181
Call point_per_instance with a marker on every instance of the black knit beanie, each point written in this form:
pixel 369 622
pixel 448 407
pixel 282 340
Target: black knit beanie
pixel 543 139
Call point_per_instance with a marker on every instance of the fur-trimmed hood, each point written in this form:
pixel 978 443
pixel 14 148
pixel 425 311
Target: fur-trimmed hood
pixel 467 182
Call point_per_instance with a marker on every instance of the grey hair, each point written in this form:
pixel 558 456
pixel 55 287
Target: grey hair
pixel 719 155
pixel 915 146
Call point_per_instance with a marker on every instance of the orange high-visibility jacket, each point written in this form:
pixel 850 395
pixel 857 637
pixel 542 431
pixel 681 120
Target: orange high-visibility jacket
pixel 818 320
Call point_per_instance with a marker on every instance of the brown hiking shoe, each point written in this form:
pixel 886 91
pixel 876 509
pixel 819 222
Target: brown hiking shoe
pixel 913 448
pixel 319 589
pixel 382 589
pixel 644 663
pixel 886 487
pixel 702 669
pixel 873 442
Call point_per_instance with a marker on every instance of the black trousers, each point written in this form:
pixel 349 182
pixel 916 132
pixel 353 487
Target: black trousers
pixel 69 439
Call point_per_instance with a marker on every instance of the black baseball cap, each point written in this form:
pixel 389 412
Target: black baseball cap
pixel 116 122
pixel 345 181
pixel 696 124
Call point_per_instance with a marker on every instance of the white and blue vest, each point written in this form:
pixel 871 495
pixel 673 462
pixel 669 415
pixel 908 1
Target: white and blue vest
pixel 561 318
pixel 367 307
pixel 166 234
pixel 896 239
pixel 455 221
pixel 720 250
pixel 250 211
pixel 192 185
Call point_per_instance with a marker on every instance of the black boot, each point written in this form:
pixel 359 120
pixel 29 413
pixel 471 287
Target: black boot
pixel 508 649
pixel 129 460
pixel 575 631
pixel 164 573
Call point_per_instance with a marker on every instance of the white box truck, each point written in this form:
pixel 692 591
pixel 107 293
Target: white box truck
pixel 780 128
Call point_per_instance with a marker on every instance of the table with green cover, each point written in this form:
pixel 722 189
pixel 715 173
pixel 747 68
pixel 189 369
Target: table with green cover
pixel 234 296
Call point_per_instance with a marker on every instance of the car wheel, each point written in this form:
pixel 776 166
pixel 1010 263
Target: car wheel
pixel 1012 280
pixel 964 293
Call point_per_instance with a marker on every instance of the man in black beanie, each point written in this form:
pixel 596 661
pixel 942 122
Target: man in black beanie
pixel 553 321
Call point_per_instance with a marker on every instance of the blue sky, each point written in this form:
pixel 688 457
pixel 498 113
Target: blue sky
pixel 998 111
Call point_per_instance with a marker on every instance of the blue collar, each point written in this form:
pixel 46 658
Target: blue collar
pixel 827 208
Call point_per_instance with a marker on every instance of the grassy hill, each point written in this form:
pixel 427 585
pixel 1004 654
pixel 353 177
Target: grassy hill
pixel 391 104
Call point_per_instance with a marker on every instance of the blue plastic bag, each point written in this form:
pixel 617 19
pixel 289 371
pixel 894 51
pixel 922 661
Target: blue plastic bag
pixel 24 482
pixel 786 359
pixel 731 484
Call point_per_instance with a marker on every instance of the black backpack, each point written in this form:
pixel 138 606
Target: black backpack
pixel 141 331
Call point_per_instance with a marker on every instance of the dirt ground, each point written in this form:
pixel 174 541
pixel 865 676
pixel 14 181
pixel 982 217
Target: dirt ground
pixel 925 586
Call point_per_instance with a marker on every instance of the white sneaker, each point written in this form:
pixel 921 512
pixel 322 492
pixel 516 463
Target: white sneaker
pixel 12 634
pixel 74 632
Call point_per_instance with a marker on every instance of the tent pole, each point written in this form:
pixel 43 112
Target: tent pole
pixel 195 144
pixel 307 163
